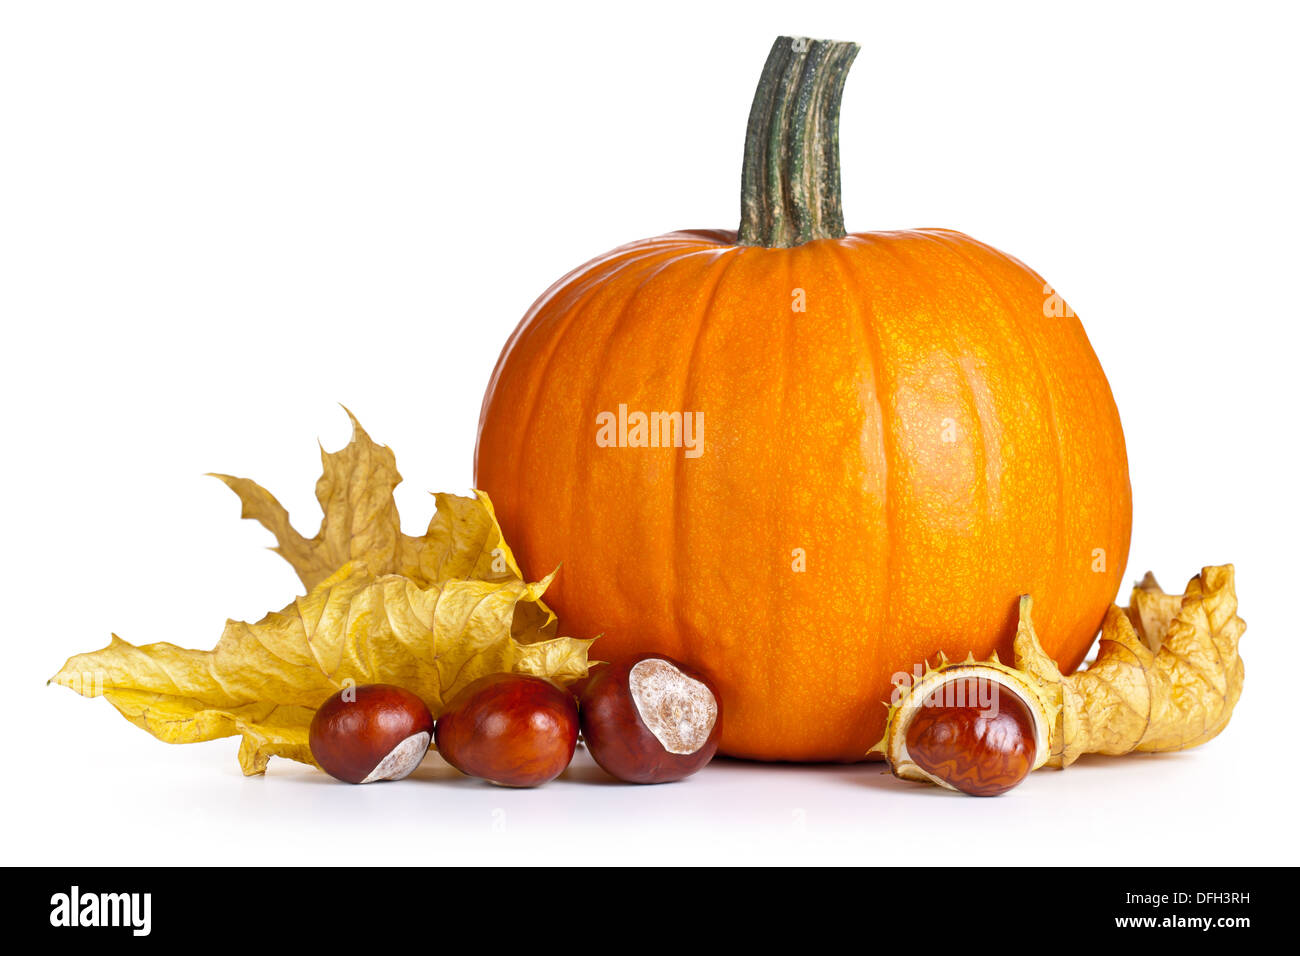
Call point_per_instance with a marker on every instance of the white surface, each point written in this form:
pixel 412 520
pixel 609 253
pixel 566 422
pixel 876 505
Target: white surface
pixel 217 221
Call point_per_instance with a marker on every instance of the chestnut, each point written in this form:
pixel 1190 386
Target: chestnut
pixel 977 747
pixel 513 730
pixel 372 732
pixel 978 727
pixel 649 719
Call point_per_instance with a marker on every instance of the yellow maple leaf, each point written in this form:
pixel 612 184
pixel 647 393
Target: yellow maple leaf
pixel 431 614
pixel 361 524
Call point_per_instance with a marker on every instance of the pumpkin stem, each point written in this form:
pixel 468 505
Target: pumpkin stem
pixel 790 185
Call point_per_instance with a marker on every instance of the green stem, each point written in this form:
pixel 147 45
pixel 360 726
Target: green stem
pixel 790 184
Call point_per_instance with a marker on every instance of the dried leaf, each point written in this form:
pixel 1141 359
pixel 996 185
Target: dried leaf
pixel 431 614
pixel 361 523
pixel 1167 674
pixel 1152 611
pixel 1166 677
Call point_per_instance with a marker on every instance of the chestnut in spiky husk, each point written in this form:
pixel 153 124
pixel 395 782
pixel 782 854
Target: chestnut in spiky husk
pixel 982 744
pixel 977 727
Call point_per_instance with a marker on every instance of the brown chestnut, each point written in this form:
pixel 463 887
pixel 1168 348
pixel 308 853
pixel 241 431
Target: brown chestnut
pixel 509 729
pixel 981 747
pixel 372 732
pixel 650 719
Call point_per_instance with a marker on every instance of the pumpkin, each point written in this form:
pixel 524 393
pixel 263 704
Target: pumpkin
pixel 805 462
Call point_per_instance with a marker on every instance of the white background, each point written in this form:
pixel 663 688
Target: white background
pixel 219 220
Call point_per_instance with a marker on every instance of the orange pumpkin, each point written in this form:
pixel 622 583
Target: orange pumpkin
pixel 892 436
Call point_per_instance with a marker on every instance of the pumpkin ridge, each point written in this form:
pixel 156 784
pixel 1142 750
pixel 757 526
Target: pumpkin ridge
pixel 597 282
pixel 680 256
pixel 1036 359
pixel 575 276
pixel 587 270
pixel 980 447
pixel 572 312
pixel 642 270
pixel 865 310
pixel 777 570
pixel 729 257
pixel 978 412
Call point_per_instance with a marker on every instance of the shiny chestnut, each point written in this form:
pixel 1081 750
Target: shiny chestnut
pixel 369 733
pixel 649 719
pixel 983 746
pixel 509 729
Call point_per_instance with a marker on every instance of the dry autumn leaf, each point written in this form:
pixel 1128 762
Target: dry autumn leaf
pixel 361 524
pixel 1167 674
pixel 431 614
pixel 1166 677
